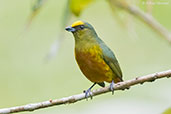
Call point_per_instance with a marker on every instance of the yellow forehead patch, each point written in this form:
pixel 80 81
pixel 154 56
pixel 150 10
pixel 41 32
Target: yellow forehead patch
pixel 77 23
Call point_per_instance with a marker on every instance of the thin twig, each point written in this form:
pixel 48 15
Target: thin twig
pixel 75 98
pixel 145 17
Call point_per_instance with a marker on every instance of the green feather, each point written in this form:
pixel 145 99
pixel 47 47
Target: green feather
pixel 110 59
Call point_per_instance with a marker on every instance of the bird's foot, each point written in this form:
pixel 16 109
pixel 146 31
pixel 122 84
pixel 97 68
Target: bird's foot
pixel 112 87
pixel 88 93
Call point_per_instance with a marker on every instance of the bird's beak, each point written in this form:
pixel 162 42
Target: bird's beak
pixel 70 29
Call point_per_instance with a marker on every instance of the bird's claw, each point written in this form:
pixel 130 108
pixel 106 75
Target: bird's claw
pixel 112 87
pixel 88 93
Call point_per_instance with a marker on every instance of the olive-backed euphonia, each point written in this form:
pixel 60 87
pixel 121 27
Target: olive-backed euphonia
pixel 96 61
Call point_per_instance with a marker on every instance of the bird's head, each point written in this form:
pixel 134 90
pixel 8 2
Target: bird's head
pixel 82 30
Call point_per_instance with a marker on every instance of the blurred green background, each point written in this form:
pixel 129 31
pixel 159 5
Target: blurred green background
pixel 26 77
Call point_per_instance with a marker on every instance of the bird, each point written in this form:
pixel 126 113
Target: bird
pixel 95 59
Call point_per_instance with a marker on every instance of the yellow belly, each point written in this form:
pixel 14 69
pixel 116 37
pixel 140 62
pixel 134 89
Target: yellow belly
pixel 94 67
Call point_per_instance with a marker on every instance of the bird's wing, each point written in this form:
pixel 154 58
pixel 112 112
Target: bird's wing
pixel 111 60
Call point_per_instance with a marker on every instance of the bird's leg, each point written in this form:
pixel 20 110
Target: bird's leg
pixel 112 87
pixel 87 92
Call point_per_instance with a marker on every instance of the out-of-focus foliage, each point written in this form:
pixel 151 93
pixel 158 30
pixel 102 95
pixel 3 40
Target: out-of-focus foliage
pixel 77 6
pixel 36 6
pixel 54 48
pixel 167 111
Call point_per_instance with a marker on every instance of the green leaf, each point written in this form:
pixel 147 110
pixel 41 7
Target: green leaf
pixel 77 6
pixel 167 111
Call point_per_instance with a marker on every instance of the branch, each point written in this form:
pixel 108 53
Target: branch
pixel 78 97
pixel 145 17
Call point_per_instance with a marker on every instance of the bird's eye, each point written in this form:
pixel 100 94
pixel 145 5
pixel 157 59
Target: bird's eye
pixel 81 27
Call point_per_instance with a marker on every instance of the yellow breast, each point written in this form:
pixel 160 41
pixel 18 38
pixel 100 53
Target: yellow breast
pixel 92 64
